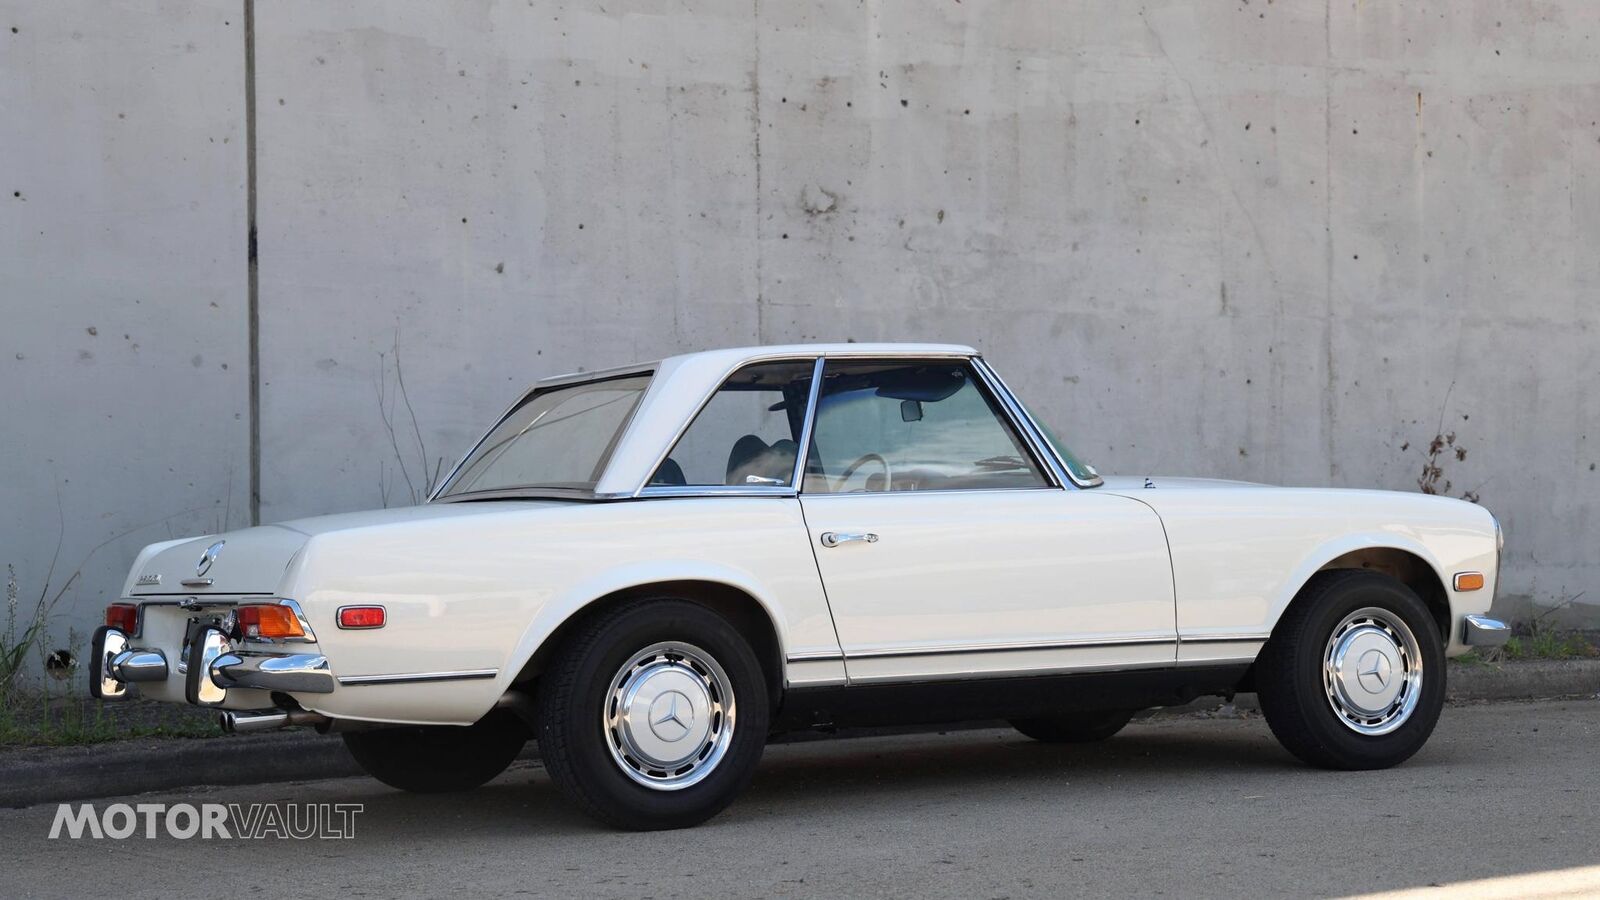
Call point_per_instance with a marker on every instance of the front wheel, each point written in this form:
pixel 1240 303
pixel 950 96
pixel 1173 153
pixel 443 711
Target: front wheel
pixel 433 759
pixel 1353 677
pixel 654 715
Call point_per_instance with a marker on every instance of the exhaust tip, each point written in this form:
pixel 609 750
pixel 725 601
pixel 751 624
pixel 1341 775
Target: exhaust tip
pixel 246 722
pixel 253 720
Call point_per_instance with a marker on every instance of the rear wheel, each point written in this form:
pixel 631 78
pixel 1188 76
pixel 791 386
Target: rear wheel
pixel 1077 728
pixel 653 715
pixel 1353 677
pixel 433 759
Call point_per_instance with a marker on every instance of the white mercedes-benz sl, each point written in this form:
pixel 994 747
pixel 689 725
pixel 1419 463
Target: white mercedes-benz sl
pixel 651 569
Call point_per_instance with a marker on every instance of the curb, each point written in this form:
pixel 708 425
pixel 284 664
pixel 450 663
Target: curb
pixel 61 774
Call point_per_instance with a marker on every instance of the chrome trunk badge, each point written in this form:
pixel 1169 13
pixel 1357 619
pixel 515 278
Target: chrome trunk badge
pixel 148 579
pixel 204 565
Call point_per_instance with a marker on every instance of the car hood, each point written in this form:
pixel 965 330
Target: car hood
pixel 255 560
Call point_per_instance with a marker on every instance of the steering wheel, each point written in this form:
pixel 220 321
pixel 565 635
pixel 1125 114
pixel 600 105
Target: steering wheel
pixel 888 477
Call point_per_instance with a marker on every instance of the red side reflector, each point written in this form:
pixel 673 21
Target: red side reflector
pixel 269 620
pixel 361 617
pixel 123 616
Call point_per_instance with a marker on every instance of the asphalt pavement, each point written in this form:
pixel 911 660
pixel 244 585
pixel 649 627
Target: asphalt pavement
pixel 1179 806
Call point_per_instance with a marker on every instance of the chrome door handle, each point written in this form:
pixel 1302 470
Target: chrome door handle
pixel 835 538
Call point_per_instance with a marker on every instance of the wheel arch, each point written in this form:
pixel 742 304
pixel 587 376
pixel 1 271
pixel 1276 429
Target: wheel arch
pixel 750 615
pixel 1406 561
pixel 1405 566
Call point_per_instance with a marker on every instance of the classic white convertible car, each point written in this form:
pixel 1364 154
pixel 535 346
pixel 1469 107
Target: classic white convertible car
pixel 651 569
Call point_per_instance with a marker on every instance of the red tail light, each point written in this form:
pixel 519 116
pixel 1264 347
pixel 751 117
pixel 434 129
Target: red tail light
pixel 361 617
pixel 123 616
pixel 269 620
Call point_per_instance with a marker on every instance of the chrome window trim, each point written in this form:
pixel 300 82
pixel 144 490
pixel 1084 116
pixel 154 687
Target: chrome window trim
pixel 1046 463
pixel 545 384
pixel 1035 433
pixel 646 489
pixel 715 490
pixel 572 378
pixel 804 455
pixel 778 356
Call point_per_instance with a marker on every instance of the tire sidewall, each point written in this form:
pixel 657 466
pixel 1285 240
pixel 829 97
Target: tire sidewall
pixel 1353 749
pixel 589 748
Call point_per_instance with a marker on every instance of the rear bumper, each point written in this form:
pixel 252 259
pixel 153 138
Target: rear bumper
pixel 213 667
pixel 1482 631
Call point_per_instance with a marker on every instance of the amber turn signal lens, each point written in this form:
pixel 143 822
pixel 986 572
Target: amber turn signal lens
pixel 123 616
pixel 269 620
pixel 361 617
pixel 1469 581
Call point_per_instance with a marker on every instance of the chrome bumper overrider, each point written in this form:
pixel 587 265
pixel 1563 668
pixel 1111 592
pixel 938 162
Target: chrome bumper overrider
pixel 1482 631
pixel 214 666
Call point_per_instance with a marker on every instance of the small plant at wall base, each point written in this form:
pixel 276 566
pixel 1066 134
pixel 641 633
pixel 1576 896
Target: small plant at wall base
pixel 1540 638
pixel 15 647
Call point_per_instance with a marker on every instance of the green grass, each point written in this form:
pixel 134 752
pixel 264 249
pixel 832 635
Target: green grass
pixel 66 722
pixel 1542 643
pixel 1549 644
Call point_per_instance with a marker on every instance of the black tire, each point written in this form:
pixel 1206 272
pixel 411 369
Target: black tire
pixel 577 747
pixel 1290 673
pixel 436 759
pixel 1075 728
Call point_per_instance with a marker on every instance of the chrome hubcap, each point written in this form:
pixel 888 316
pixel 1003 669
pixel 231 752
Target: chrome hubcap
pixel 1372 671
pixel 669 716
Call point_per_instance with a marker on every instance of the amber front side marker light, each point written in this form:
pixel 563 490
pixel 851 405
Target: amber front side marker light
pixel 1469 581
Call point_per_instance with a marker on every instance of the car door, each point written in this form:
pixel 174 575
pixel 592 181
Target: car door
pixel 946 548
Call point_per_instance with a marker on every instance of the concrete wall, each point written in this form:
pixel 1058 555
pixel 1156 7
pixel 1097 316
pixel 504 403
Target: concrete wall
pixel 1287 241
pixel 123 350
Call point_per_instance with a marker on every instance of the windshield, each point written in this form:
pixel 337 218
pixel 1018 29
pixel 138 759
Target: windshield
pixel 557 438
pixel 1080 470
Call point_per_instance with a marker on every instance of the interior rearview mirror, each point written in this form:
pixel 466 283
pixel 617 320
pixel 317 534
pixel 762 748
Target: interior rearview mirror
pixel 911 410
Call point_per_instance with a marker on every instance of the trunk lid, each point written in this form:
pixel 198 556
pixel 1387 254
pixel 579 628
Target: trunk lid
pixel 249 561
pixel 254 560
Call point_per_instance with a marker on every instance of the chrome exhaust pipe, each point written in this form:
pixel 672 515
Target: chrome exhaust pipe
pixel 253 720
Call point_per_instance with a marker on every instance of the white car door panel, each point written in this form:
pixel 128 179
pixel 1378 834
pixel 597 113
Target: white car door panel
pixel 969 583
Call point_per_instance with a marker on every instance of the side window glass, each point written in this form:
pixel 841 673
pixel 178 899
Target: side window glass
pixel 912 426
pixel 747 434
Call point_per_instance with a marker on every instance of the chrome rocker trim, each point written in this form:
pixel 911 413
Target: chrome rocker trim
pixel 1482 631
